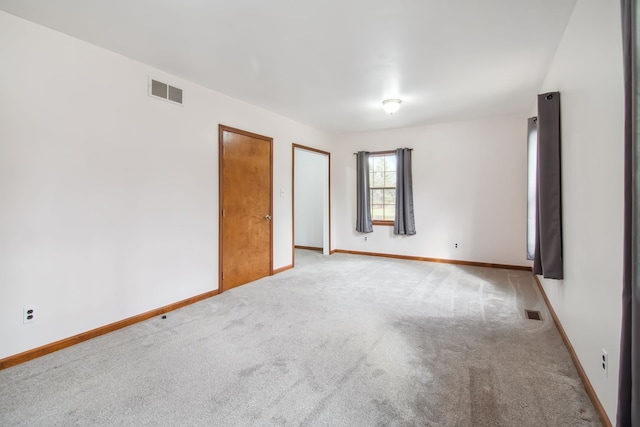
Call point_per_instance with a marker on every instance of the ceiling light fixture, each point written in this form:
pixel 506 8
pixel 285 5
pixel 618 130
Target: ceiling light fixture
pixel 391 105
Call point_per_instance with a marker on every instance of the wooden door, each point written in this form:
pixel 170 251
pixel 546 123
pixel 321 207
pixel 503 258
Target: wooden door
pixel 245 207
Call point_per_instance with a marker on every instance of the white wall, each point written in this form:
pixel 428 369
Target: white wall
pixel 469 188
pixel 587 70
pixel 309 201
pixel 109 198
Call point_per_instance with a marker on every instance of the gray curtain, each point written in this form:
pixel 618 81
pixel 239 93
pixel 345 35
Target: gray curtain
pixel 363 209
pixel 404 221
pixel 548 255
pixel 629 373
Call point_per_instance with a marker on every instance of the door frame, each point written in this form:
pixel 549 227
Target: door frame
pixel 295 146
pixel 221 129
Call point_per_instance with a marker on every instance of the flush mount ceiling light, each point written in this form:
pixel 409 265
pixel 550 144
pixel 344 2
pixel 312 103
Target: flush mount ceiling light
pixel 391 105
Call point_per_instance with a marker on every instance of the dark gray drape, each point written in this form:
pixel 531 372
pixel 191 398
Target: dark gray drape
pixel 404 221
pixel 629 373
pixel 548 256
pixel 363 208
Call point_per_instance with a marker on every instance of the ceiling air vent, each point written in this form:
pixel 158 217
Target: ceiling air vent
pixel 164 91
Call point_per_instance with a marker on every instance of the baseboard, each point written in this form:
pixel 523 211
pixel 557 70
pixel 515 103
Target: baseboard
pixel 604 418
pixel 281 269
pixel 84 336
pixel 445 261
pixel 310 248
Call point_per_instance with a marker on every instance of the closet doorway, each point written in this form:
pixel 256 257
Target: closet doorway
pixel 311 199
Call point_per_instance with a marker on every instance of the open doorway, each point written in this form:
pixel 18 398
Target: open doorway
pixel 311 199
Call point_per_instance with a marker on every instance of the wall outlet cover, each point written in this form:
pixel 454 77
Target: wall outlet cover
pixel 29 314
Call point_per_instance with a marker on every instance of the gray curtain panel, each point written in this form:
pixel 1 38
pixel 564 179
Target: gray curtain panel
pixel 548 256
pixel 629 374
pixel 404 221
pixel 363 207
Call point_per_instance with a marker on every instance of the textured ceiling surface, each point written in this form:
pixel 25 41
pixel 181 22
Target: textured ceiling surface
pixel 330 63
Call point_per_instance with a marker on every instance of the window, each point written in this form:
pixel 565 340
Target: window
pixel 382 187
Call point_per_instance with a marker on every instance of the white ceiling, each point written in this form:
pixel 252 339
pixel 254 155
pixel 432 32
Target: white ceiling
pixel 330 63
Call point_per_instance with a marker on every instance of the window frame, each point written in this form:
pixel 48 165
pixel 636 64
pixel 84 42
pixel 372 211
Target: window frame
pixel 371 188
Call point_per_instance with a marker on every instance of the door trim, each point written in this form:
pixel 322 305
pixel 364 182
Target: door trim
pixel 221 129
pixel 293 181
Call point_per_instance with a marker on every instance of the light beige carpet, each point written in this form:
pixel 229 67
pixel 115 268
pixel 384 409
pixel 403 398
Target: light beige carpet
pixel 338 341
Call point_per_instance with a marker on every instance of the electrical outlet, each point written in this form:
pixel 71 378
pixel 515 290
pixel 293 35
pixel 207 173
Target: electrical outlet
pixel 455 245
pixel 29 314
pixel 366 238
pixel 605 362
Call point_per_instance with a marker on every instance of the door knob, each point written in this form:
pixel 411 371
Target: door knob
pixel 267 217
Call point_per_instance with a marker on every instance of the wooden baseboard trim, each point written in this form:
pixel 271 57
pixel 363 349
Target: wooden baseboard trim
pixel 84 336
pixel 281 269
pixel 444 261
pixel 604 419
pixel 310 248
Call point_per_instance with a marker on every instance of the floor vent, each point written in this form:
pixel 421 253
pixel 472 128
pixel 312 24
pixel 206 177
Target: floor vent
pixel 533 315
pixel 164 91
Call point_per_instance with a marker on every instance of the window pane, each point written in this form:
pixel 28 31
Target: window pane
pixel 377 197
pixel 390 197
pixel 377 212
pixel 378 164
pixel 390 163
pixel 389 179
pixel 378 179
pixel 389 212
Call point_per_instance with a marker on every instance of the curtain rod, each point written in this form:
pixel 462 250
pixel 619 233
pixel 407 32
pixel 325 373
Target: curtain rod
pixel 410 149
